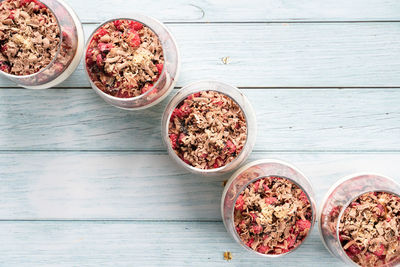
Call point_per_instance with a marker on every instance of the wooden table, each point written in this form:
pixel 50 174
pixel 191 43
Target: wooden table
pixel 84 183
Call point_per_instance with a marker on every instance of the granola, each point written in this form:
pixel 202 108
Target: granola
pixel 369 229
pixel 272 215
pixel 124 58
pixel 207 130
pixel 29 37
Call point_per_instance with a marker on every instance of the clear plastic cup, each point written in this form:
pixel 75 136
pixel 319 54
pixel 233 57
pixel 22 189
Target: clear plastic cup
pixel 339 197
pixel 169 75
pixel 250 173
pixel 229 91
pixel 71 37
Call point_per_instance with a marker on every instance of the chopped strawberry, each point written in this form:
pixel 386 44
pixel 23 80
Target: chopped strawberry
pixel 253 216
pixel 354 204
pixel 353 250
pixel 239 203
pixel 302 225
pixel 218 163
pixel 379 252
pixel 134 39
pixel 381 209
pixel 230 147
pixel 146 88
pixel 159 68
pixel 238 230
pixel 185 110
pixel 180 139
pixel 117 24
pixel 135 25
pixel 256 186
pixel 270 200
pixel 192 95
pixel 173 138
pixel 5 67
pixel 186 161
pixel 263 249
pixel 388 219
pixel 99 60
pixel 11 16
pixel 256 228
pixel 123 94
pixel 100 33
pixel 266 188
pixel 291 240
pixel 219 103
pixel 303 197
pixel 104 48
pixel 4 48
pixel 250 242
pixel 176 113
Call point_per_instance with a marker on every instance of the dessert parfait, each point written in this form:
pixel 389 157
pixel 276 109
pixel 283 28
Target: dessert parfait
pixel 207 129
pixel 128 65
pixel 268 207
pixel 41 42
pixel 360 221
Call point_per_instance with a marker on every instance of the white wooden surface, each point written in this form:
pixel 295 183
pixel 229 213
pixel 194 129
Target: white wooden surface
pixel 86 184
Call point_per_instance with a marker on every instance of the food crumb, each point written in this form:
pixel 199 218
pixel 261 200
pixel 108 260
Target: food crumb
pixel 227 256
pixel 225 60
pixel 224 182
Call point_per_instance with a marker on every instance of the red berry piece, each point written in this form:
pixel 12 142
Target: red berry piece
pixel 11 16
pixel 123 94
pixel 4 49
pixel 218 162
pixel 146 88
pixel 291 240
pixel 270 200
pixel 180 139
pixel 256 228
pixel 302 225
pixel 381 210
pixel 239 203
pixel 159 68
pixel 230 147
pixel 253 216
pixel 104 48
pixel 353 250
pixel 379 252
pixel 250 242
pixel 266 188
pixel 99 60
pixel 173 138
pixel 238 230
pixel 263 249
pixel 117 24
pixel 185 110
pixel 100 33
pixel 256 186
pixel 134 39
pixel 135 25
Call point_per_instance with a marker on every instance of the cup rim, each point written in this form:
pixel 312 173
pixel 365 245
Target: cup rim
pixel 167 115
pixel 310 198
pixel 13 76
pixel 98 90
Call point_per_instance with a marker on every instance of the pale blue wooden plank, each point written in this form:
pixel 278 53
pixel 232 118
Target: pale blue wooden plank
pixel 239 11
pixel 295 120
pixel 140 244
pixel 283 54
pixel 144 186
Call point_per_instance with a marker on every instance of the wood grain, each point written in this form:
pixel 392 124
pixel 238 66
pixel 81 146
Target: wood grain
pixel 283 54
pixel 288 120
pixel 144 186
pixel 139 243
pixel 239 11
